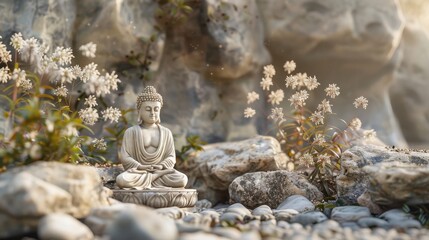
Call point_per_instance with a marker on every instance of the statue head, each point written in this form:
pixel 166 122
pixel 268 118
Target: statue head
pixel 149 104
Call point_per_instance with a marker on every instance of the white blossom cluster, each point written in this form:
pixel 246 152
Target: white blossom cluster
pixel 99 144
pixel 56 66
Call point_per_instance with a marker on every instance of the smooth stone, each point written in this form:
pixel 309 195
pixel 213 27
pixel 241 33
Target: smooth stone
pixel 298 203
pixel 200 236
pixel 141 223
pixel 396 215
pixel 264 212
pixel 60 226
pixel 213 215
pixel 283 224
pixel 285 214
pixel 171 212
pixel 199 219
pixel 352 225
pixel 270 231
pixel 349 213
pixel 309 218
pixel 405 224
pixel 365 200
pixel 239 209
pixel 183 227
pixel 203 204
pixel 251 235
pixel 231 217
pixel 227 232
pixel 372 222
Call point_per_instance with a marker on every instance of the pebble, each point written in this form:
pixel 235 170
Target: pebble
pixel 309 218
pixel 372 222
pixel 396 215
pixel 298 203
pixel 349 213
pixel 61 226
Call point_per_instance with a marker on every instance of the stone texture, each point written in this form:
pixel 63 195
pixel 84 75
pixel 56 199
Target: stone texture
pixel 395 184
pixel 298 203
pixel 209 64
pixel 61 226
pixel 211 171
pixel 353 179
pixel 50 21
pixel 350 35
pixel 270 188
pixel 309 218
pixel 349 213
pixel 140 223
pixel 30 192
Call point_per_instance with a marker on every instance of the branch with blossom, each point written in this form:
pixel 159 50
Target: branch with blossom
pixel 303 134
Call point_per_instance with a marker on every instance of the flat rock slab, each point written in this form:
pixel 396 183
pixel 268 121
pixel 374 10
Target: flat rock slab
pixel 158 198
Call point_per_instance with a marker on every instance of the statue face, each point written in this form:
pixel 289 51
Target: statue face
pixel 149 112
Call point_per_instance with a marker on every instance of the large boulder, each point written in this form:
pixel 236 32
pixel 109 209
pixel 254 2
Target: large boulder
pixel 391 176
pixel 212 170
pixel 271 188
pixel 51 21
pixel 28 193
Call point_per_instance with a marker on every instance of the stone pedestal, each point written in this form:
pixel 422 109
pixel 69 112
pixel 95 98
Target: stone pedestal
pixel 158 198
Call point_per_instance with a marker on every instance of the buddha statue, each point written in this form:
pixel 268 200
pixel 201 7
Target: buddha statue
pixel 147 151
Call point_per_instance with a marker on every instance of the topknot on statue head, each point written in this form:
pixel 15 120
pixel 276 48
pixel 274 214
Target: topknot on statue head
pixel 149 94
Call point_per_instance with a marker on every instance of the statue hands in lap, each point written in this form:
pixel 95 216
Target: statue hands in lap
pixel 147 151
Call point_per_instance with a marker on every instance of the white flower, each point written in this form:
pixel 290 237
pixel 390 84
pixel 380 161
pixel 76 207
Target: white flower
pixel 306 160
pixel 266 83
pixel 89 115
pixel 99 144
pixel 289 66
pixel 298 99
pixel 31 53
pixel 369 133
pixel 19 76
pixel 317 117
pixel 323 159
pixel 276 114
pixel 249 112
pixel 269 71
pixel 91 101
pixel 62 55
pixel 276 97
pixel 17 41
pixel 96 85
pixel 291 81
pixel 355 124
pixel 88 72
pixel 88 50
pixel 69 130
pixel 4 75
pixel 361 102
pixel 251 97
pixel 311 83
pixel 49 68
pixel 332 90
pixel 112 80
pixel 61 91
pixel 112 114
pixel 4 54
pixel 301 79
pixel 66 75
pixel 319 139
pixel 324 107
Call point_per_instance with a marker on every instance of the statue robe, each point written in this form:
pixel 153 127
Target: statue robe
pixel 134 154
